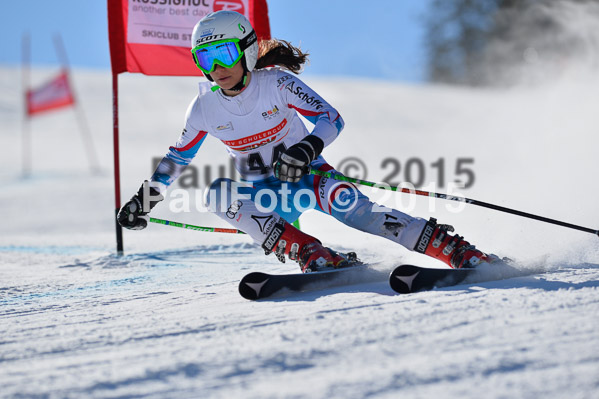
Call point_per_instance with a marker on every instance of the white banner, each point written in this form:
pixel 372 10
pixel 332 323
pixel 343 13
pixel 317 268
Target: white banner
pixel 170 22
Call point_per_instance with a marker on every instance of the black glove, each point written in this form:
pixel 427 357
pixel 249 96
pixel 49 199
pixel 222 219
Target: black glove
pixel 133 215
pixel 293 163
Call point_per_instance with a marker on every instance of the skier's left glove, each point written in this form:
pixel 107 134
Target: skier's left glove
pixel 134 214
pixel 293 164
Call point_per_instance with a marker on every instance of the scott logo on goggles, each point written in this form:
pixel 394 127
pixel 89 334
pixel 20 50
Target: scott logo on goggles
pixel 209 39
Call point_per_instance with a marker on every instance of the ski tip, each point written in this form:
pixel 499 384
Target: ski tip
pixel 402 278
pixel 252 285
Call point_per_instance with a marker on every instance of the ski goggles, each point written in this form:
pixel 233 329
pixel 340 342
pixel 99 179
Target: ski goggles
pixel 225 53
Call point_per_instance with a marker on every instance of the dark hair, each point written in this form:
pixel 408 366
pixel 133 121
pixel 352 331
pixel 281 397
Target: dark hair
pixel 281 53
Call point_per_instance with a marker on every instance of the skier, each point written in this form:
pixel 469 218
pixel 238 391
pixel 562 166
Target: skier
pixel 254 111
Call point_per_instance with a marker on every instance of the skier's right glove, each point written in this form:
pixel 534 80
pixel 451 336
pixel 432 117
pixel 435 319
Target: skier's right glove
pixel 293 164
pixel 134 214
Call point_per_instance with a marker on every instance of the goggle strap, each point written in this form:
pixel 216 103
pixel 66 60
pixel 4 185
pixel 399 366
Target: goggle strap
pixel 248 40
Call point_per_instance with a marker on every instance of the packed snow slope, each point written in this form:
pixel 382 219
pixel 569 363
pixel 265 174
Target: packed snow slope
pixel 165 319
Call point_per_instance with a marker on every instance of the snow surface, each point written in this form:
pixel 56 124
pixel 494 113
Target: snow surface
pixel 165 319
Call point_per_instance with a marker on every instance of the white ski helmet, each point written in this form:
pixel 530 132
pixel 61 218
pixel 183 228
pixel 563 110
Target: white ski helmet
pixel 221 25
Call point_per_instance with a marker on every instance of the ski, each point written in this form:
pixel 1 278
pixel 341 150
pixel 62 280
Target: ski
pixel 406 279
pixel 258 285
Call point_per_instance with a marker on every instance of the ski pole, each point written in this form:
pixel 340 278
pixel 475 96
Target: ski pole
pixel 499 208
pixel 196 228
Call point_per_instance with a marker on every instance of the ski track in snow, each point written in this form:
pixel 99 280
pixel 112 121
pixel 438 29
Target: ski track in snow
pixel 155 324
pixel 166 321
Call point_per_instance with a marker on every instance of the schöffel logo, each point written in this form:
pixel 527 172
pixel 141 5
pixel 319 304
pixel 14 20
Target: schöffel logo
pixel 425 238
pixel 271 113
pixel 304 96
